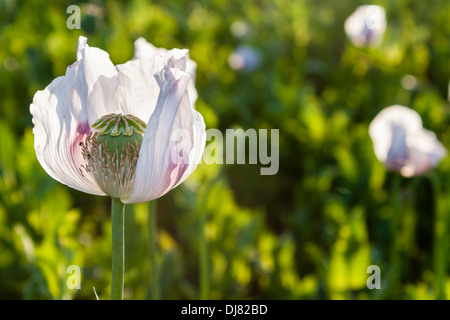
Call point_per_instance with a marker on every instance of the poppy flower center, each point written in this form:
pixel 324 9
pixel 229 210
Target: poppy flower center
pixel 111 151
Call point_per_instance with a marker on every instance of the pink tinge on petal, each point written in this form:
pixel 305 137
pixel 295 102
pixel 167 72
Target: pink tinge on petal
pixel 175 171
pixel 178 163
pixel 83 130
pixel 424 167
pixel 418 163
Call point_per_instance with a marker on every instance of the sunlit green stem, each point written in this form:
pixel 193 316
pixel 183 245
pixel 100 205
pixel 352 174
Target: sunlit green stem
pixel 204 267
pixel 395 234
pixel 204 282
pixel 152 226
pixel 118 253
pixel 440 237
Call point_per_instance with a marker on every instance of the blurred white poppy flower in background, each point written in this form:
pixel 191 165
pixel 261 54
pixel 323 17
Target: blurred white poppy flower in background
pixel 108 130
pixel 409 82
pixel 402 144
pixel 240 29
pixel 245 58
pixel 366 26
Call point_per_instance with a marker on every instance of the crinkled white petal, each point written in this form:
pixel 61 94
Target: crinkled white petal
pixel 199 137
pixel 145 50
pixel 402 144
pixel 63 112
pixel 173 140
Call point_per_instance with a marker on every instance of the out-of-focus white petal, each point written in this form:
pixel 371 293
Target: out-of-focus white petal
pixel 381 129
pixel 61 117
pixel 402 144
pixel 425 152
pixel 397 155
pixel 144 50
pixel 172 140
pixel 366 26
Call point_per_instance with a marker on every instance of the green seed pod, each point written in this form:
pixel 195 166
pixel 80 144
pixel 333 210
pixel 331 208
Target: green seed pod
pixel 117 130
pixel 111 152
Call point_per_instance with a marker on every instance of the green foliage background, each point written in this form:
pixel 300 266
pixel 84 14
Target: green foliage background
pixel 308 232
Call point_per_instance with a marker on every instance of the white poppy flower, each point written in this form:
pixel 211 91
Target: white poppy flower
pixel 366 26
pixel 139 108
pixel 402 144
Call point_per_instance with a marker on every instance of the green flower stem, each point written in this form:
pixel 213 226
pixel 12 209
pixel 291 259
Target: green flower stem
pixel 118 252
pixel 204 259
pixel 204 267
pixel 152 226
pixel 440 245
pixel 395 234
